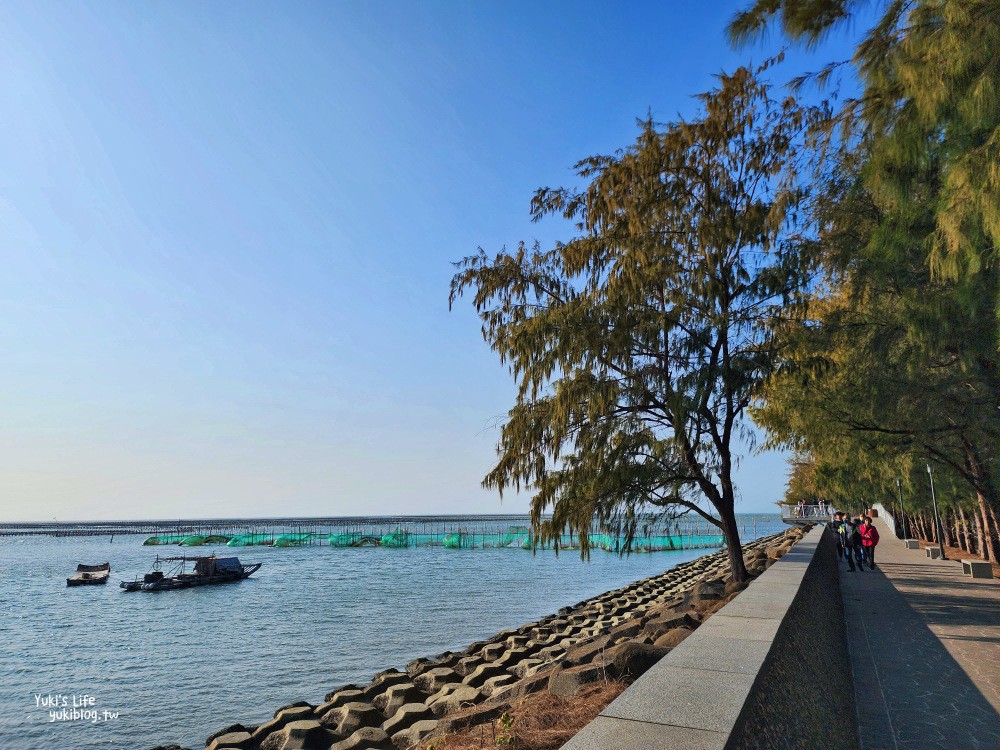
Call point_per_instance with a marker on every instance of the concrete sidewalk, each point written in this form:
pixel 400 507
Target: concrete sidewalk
pixel 924 643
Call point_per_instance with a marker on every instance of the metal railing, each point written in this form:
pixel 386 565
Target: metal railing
pixel 817 512
pixel 887 518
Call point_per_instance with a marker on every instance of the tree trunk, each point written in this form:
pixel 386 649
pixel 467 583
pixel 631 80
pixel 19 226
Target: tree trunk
pixel 986 493
pixel 732 534
pixel 963 525
pixel 993 530
pixel 948 523
pixel 724 500
pixel 984 547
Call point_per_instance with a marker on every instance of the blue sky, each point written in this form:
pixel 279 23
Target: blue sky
pixel 228 230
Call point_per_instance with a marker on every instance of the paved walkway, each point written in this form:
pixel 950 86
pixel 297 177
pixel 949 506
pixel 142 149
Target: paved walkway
pixel 924 642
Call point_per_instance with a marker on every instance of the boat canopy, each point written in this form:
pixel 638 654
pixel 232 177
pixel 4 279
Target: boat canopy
pixel 214 565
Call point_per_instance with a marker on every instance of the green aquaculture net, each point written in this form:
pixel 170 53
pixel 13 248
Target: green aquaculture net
pixel 296 540
pixel 513 537
pixel 165 539
pixel 248 540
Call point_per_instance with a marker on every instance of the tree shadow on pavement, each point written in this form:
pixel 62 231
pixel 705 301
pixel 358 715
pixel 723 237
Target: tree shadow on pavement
pixel 910 692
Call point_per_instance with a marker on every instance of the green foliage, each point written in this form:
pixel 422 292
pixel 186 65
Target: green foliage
pixel 505 730
pixel 894 366
pixel 930 104
pixel 638 344
pixel 898 363
pixel 802 20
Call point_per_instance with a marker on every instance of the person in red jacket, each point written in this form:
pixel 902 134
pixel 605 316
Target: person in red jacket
pixel 869 538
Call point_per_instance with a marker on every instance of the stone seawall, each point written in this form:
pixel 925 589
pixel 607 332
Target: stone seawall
pixel 803 696
pixel 619 634
pixel 769 670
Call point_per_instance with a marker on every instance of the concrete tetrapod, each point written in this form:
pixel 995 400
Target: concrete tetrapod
pixel 519 661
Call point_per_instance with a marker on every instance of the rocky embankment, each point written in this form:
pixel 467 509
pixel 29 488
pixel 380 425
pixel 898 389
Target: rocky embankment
pixel 617 635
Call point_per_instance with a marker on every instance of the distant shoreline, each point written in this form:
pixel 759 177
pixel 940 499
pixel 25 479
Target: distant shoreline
pixel 146 526
pixel 277 521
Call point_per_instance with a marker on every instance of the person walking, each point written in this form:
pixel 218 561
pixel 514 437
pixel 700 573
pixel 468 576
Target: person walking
pixel 854 534
pixel 852 543
pixel 835 526
pixel 869 540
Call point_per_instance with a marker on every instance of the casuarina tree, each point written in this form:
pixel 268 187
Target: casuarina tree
pixel 912 237
pixel 638 344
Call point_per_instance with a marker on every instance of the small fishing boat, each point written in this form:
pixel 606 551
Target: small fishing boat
pixel 206 571
pixel 90 575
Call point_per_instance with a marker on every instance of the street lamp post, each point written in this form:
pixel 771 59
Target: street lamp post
pixel 902 512
pixel 937 518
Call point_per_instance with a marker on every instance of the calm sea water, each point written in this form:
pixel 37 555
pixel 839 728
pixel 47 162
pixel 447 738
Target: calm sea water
pixel 176 666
